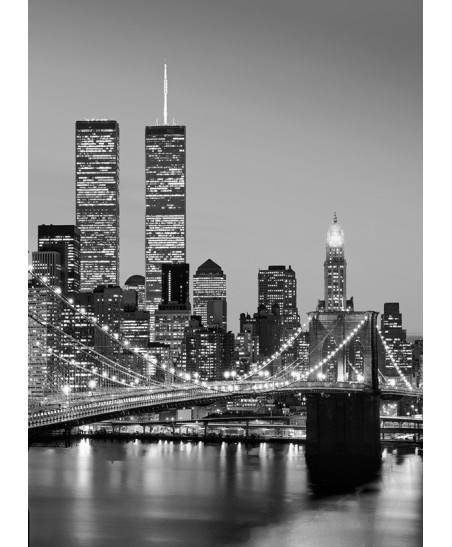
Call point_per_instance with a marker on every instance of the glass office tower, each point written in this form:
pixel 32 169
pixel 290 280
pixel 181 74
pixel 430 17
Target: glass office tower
pixel 97 201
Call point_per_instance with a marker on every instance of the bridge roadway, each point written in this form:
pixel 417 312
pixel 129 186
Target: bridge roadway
pixel 104 407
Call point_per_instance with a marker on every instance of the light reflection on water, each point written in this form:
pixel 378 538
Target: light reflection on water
pixel 101 493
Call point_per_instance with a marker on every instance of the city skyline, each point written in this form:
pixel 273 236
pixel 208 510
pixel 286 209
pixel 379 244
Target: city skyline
pixel 233 204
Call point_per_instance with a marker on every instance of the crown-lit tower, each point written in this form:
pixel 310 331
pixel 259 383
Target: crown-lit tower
pixel 335 269
pixel 165 232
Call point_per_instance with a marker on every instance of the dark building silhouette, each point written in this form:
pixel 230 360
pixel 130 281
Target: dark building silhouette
pixel 175 283
pixel 268 331
pixel 137 283
pixel 64 239
pixel 97 201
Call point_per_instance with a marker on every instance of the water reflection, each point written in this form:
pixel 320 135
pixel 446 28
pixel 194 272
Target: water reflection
pixel 185 494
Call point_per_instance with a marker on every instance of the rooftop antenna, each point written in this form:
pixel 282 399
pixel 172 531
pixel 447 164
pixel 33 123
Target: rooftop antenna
pixel 165 97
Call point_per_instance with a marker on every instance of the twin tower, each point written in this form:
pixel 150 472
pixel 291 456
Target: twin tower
pixel 97 202
pixel 97 209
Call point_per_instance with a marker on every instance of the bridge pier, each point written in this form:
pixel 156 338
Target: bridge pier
pixel 343 435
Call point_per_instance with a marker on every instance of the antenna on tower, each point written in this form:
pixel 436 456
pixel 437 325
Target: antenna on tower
pixel 165 97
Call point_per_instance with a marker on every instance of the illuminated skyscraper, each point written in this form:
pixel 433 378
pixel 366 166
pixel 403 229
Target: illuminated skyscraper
pixel 64 239
pixel 165 204
pixel 97 201
pixel 335 267
pixel 209 284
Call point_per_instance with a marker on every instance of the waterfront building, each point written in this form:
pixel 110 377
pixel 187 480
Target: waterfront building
pixel 206 351
pixel 48 265
pixel 165 223
pixel 138 284
pixel 395 337
pixel 418 362
pixel 159 365
pixel 64 239
pixel 171 319
pixel 175 283
pixel 81 364
pixel 45 374
pixel 209 284
pixel 97 201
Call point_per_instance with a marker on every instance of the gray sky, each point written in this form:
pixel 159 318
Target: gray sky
pixel 294 110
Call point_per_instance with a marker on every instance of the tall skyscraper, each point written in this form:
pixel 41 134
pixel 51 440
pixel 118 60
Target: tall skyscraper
pixel 335 268
pixel 209 283
pixel 97 201
pixel 278 284
pixel 165 231
pixel 64 239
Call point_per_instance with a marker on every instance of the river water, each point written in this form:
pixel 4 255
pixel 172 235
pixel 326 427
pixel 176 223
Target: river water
pixel 115 493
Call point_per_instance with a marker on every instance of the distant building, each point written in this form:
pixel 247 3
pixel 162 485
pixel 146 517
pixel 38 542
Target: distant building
pixel 335 269
pixel 278 284
pixel 395 337
pixel 48 265
pixel 137 283
pixel 64 239
pixel 418 362
pixel 268 331
pixel 135 329
pixel 170 322
pixel 209 284
pixel 97 201
pixel 107 309
pixel 45 370
pixel 206 351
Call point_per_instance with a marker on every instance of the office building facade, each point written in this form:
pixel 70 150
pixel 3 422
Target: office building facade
pixel 395 337
pixel 97 201
pixel 165 230
pixel 209 284
pixel 64 239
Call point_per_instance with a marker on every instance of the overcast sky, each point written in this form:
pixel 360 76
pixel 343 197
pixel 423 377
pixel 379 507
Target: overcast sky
pixel 294 110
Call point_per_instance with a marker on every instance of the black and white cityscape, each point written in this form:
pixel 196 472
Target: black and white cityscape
pixel 225 314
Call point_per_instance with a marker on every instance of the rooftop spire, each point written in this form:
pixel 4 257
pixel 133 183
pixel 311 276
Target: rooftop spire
pixel 165 97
